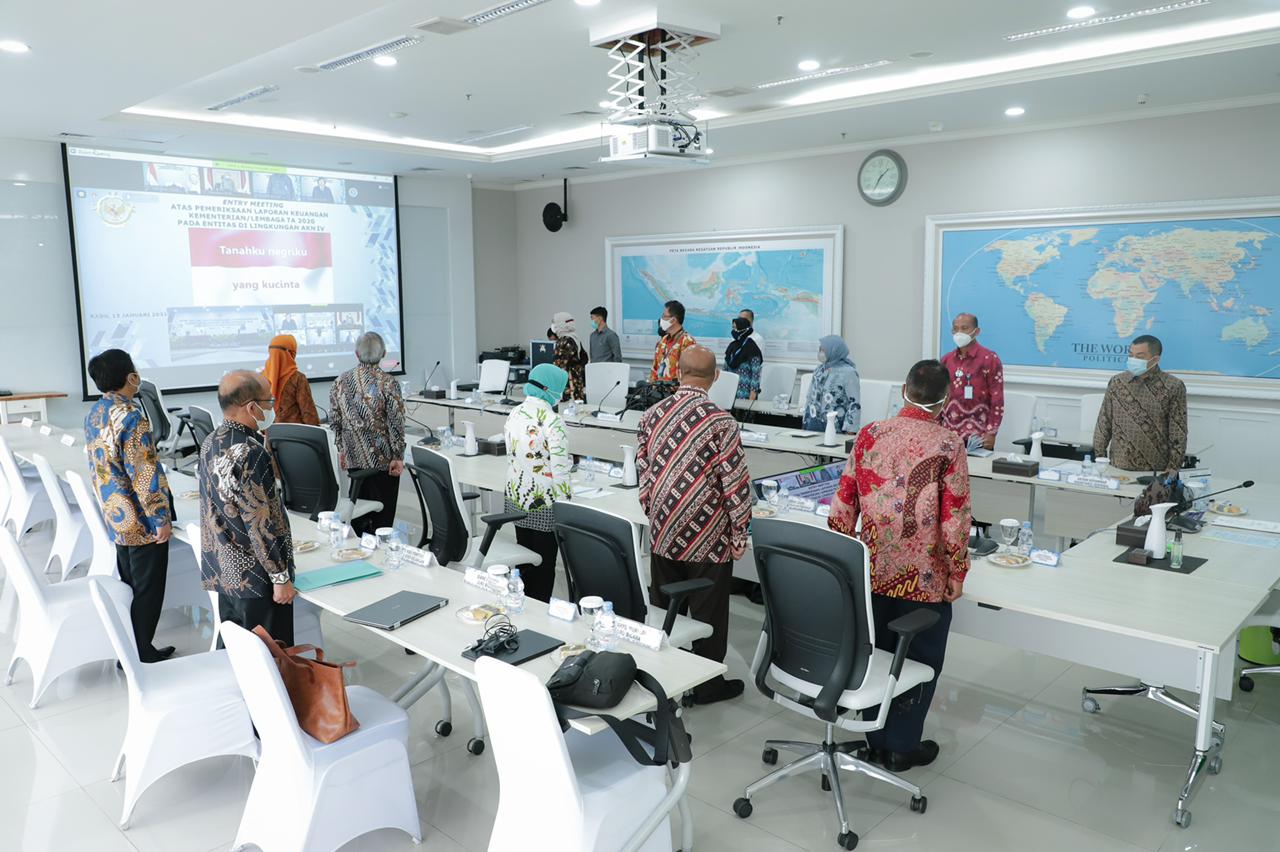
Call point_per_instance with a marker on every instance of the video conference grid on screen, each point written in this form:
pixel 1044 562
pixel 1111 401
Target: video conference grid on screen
pixel 193 265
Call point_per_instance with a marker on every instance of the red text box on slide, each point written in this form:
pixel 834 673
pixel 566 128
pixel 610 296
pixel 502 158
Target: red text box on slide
pixel 260 267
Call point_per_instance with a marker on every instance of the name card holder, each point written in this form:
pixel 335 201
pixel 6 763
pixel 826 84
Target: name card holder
pixel 1050 475
pixel 612 418
pixel 46 430
pixel 369 541
pixel 563 610
pixel 68 441
pixel 417 556
pixel 27 422
pixel 481 580
pixel 755 437
pixel 1093 481
pixel 639 634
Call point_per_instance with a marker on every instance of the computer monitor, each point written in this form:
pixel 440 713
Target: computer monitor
pixel 541 352
pixel 818 484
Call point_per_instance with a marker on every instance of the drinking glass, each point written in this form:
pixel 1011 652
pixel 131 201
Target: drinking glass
pixel 384 534
pixel 395 553
pixel 1009 528
pixel 769 491
pixel 784 500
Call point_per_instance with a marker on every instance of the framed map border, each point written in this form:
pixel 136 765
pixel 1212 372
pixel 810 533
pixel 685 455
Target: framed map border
pixel 1203 384
pixel 832 284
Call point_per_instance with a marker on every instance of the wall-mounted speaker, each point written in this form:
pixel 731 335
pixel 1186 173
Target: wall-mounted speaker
pixel 553 215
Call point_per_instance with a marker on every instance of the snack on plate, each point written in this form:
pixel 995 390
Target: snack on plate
pixel 479 613
pixel 1009 560
pixel 350 554
pixel 763 511
pixel 1226 507
pixel 305 546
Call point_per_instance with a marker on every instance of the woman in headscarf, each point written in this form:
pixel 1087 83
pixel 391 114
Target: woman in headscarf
pixel 743 356
pixel 290 388
pixel 570 355
pixel 538 465
pixel 835 388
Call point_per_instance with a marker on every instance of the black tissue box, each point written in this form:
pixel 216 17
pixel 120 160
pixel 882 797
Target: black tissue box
pixel 1129 534
pixel 432 394
pixel 1018 467
pixel 487 447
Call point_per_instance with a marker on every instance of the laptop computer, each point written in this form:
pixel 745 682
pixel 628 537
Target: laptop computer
pixel 396 610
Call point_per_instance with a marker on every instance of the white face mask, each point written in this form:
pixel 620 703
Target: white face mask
pixel 664 324
pixel 961 339
pixel 822 357
pixel 268 417
pixel 922 406
pixel 1137 366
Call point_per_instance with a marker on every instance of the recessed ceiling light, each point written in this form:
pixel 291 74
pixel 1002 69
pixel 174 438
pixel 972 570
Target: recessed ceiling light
pixel 605 105
pixel 587 2
pixel 1014 111
pixel 12 46
pixel 808 65
pixel 384 61
pixel 1079 13
pixel 18 183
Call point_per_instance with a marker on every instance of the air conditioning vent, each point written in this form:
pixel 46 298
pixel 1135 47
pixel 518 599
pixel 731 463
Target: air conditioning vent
pixel 444 26
pixel 733 92
pixel 67 135
pixel 368 53
pixel 243 97
pixel 425 169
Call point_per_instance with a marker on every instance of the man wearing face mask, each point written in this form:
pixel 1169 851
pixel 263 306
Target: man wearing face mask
pixel 135 497
pixel 976 406
pixel 604 340
pixel 671 345
pixel 908 479
pixel 1142 424
pixel 246 549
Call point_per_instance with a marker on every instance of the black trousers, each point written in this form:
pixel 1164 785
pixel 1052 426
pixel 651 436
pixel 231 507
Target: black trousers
pixel 144 569
pixel 710 606
pixel 539 580
pixel 905 723
pixel 384 488
pixel 276 619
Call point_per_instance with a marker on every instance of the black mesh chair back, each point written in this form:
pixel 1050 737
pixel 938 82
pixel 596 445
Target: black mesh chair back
pixel 433 480
pixel 599 558
pixel 149 398
pixel 201 423
pixel 817 601
pixel 306 469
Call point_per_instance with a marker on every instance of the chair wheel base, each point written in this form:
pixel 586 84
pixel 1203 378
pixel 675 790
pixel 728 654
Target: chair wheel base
pixel 742 807
pixel 769 756
pixel 919 804
pixel 1215 765
pixel 444 728
pixel 826 787
pixel 1182 818
pixel 847 840
pixel 1246 683
pixel 475 745
pixel 1090 705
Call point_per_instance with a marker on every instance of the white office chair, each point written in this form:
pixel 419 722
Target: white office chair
pixel 818 657
pixel 776 379
pixel 802 396
pixel 310 796
pixel 1090 406
pixel 182 587
pixel 306 615
pixel 493 375
pixel 103 561
pixel 1019 413
pixel 602 379
pixel 589 790
pixel 181 710
pixel 724 391
pixel 875 400
pixel 57 628
pixel 28 504
pixel 72 541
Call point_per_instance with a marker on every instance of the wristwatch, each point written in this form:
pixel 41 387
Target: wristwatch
pixel 280 579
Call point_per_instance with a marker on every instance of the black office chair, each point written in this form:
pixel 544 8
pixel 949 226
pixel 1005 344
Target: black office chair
pixel 200 422
pixel 163 433
pixel 817 655
pixel 601 557
pixel 449 536
pixel 308 475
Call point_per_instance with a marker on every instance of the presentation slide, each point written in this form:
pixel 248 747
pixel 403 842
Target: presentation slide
pixel 193 265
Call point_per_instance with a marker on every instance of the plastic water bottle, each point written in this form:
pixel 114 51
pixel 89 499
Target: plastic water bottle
pixel 1026 539
pixel 589 469
pixel 513 600
pixel 1088 465
pixel 602 629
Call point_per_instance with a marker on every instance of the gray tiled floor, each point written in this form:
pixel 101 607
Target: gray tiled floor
pixel 1021 767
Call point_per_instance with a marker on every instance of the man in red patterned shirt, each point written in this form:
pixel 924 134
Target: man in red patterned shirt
pixel 696 492
pixel 672 343
pixel 909 481
pixel 977 386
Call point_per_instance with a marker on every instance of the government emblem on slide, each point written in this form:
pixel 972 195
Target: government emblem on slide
pixel 114 210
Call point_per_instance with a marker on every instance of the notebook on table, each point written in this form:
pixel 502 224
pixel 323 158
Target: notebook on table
pixel 346 572
pixel 532 645
pixel 396 610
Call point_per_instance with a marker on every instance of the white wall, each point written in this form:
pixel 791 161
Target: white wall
pixel 1200 156
pixel 495 240
pixel 39 347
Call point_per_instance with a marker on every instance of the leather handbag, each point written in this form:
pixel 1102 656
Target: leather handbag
pixel 316 689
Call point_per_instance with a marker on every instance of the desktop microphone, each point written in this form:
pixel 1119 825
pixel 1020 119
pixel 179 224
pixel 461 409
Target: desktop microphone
pixel 426 384
pixel 746 415
pixel 1176 520
pixel 605 399
pixel 506 400
pixel 430 439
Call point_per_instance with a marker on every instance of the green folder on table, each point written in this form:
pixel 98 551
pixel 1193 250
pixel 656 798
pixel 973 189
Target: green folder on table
pixel 334 575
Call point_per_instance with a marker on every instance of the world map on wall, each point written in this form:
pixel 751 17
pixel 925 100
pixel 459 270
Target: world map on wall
pixel 1076 296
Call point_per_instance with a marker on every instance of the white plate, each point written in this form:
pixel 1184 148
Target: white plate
pixel 350 554
pixel 1009 560
pixel 468 613
pixel 305 546
pixel 1240 511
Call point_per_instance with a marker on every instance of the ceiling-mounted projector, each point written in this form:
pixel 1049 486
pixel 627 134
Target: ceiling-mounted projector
pixel 659 140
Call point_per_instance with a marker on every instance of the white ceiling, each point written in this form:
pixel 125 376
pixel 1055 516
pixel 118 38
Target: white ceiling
pixel 89 63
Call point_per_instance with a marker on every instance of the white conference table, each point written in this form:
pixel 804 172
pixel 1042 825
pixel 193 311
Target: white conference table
pixel 1163 628
pixel 440 637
